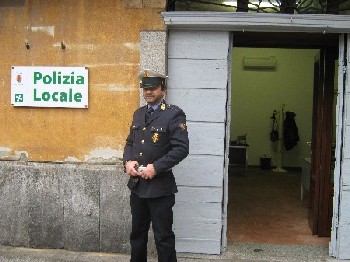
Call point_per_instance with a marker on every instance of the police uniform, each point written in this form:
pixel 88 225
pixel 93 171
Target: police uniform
pixel 162 140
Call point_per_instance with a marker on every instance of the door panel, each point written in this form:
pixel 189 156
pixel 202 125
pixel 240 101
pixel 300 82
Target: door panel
pixel 207 97
pixel 316 144
pixel 326 180
pixel 197 66
pixel 340 239
pixel 321 179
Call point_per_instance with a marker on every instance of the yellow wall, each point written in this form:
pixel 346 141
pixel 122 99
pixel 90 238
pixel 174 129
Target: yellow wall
pixel 101 35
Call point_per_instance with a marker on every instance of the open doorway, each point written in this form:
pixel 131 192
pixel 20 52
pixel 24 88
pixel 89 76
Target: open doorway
pixel 269 199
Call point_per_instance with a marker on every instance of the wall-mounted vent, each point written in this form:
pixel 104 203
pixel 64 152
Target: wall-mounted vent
pixel 268 62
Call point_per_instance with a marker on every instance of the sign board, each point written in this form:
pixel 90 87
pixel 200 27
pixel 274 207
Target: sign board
pixel 40 86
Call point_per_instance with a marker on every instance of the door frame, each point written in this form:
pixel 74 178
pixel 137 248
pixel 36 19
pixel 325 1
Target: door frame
pixel 260 22
pixel 321 190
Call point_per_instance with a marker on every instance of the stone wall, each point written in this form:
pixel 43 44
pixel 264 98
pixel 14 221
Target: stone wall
pixel 80 207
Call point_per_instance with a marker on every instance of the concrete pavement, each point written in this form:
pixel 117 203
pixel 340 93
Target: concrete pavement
pixel 240 252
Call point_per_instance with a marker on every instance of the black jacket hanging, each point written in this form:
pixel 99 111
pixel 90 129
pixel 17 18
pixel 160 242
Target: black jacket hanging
pixel 290 131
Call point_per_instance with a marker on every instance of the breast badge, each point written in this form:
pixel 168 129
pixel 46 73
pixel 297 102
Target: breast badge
pixel 155 137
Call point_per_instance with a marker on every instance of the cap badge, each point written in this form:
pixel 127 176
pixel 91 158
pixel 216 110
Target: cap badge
pixel 145 74
pixel 155 137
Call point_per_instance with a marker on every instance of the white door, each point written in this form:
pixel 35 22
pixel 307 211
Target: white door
pixel 198 70
pixel 340 239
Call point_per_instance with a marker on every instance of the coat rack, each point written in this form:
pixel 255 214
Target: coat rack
pixel 280 116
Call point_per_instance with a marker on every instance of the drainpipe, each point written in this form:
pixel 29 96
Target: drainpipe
pixel 288 6
pixel 242 6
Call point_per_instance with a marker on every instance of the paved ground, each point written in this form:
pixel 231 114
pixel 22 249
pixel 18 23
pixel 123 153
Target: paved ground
pixel 235 252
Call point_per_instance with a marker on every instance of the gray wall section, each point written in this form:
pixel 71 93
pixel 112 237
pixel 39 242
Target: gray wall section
pixel 153 53
pixel 344 219
pixel 153 50
pixel 197 66
pixel 76 207
pixel 343 237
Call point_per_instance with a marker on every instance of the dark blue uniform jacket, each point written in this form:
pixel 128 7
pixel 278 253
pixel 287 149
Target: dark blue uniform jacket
pixel 163 142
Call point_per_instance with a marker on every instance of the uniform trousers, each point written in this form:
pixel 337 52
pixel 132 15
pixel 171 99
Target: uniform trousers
pixel 159 211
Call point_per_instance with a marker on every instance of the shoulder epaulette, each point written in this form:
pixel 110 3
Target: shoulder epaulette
pixel 174 107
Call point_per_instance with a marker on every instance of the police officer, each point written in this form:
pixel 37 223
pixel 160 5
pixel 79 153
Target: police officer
pixel 158 140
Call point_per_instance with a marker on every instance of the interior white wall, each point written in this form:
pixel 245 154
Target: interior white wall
pixel 257 93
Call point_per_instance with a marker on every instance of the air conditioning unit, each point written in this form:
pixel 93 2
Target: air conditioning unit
pixel 267 62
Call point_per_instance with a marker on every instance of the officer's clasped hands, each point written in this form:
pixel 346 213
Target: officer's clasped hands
pixel 148 172
pixel 132 168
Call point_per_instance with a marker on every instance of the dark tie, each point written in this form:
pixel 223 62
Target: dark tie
pixel 149 112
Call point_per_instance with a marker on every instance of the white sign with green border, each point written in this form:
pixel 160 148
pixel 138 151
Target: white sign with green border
pixel 43 86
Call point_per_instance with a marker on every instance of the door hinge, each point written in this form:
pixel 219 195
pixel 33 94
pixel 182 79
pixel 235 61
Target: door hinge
pixel 335 221
pixel 344 69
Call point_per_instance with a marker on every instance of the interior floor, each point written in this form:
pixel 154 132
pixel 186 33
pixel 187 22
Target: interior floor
pixel 266 207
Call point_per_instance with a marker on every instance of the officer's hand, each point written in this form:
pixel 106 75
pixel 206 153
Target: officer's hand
pixel 130 168
pixel 148 172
